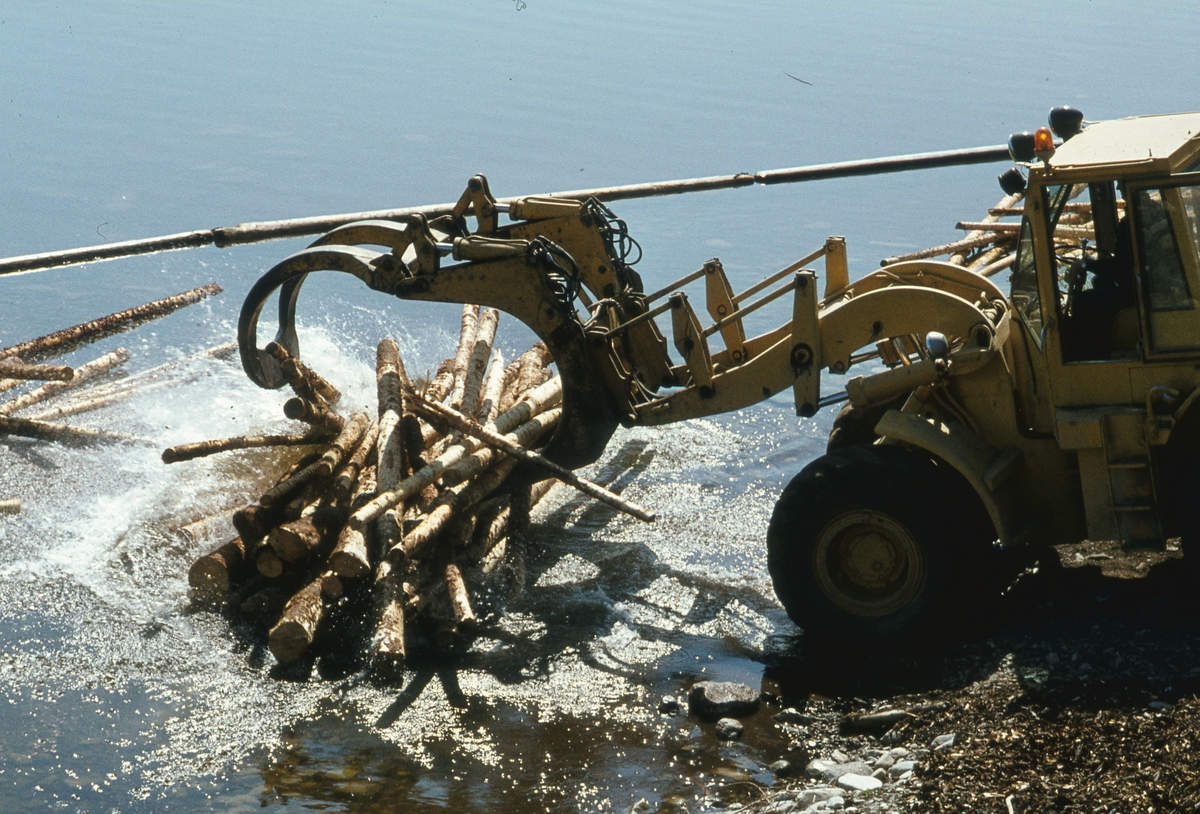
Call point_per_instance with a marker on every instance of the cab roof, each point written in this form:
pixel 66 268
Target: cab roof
pixel 1149 140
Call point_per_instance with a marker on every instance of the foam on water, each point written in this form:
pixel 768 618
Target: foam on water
pixel 614 612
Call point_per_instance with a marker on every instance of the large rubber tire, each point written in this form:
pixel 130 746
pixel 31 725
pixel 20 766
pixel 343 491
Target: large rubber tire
pixel 856 425
pixel 1189 523
pixel 870 543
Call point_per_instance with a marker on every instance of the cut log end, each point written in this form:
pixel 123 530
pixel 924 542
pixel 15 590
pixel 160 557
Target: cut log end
pixel 219 570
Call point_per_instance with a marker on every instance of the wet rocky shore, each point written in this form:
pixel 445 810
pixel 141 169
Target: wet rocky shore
pixel 1079 693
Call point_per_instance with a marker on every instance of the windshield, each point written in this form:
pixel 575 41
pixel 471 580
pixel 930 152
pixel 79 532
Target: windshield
pixel 1024 284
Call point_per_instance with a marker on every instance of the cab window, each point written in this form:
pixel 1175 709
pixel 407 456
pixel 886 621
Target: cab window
pixel 1168 238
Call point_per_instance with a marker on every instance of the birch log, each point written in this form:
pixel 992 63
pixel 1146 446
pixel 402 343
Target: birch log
pixel 492 438
pixel 388 650
pixel 466 344
pixel 485 336
pixel 61 341
pixel 534 403
pixel 13 368
pixel 43 431
pixel 200 449
pixel 349 473
pixel 82 374
pixel 291 637
pixel 348 439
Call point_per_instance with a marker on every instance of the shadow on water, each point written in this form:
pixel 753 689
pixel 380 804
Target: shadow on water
pixel 555 700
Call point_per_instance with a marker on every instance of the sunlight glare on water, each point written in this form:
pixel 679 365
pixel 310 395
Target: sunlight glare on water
pixel 123 692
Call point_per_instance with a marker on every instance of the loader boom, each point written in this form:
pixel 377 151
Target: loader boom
pixel 564 268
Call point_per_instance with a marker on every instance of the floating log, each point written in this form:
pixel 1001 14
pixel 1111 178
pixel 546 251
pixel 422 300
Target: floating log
pixel 200 530
pixel 43 431
pixel 76 406
pixel 200 449
pixel 67 339
pixel 473 429
pixel 10 505
pixel 141 381
pixel 13 368
pixel 82 374
pixel 221 568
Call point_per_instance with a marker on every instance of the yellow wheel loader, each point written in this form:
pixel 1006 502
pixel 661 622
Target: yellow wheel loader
pixel 977 421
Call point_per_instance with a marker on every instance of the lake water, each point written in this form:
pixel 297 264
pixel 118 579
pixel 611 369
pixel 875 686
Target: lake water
pixel 121 120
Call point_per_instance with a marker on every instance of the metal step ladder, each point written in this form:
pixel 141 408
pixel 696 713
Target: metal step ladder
pixel 1131 480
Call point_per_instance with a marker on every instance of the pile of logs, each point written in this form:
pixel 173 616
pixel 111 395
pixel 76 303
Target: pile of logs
pixel 410 504
pixel 72 391
pixel 990 244
pixel 988 247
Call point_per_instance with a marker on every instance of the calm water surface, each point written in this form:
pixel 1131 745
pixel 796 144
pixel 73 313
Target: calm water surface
pixel 121 120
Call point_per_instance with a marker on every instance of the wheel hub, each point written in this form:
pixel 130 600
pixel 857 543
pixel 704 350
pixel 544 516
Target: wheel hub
pixel 868 564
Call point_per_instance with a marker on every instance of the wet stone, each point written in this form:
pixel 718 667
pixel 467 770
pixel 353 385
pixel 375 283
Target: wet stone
pixel 791 715
pixel 830 771
pixel 858 782
pixel 820 794
pixel 669 705
pixel 782 768
pixel 729 729
pixel 713 699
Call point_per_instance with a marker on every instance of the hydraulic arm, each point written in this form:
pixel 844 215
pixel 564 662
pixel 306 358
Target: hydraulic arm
pixel 564 268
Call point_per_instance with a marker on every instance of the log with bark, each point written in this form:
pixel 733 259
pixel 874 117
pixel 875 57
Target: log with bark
pixel 409 511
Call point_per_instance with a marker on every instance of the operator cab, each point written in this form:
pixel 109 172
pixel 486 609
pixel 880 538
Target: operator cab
pixel 1118 210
